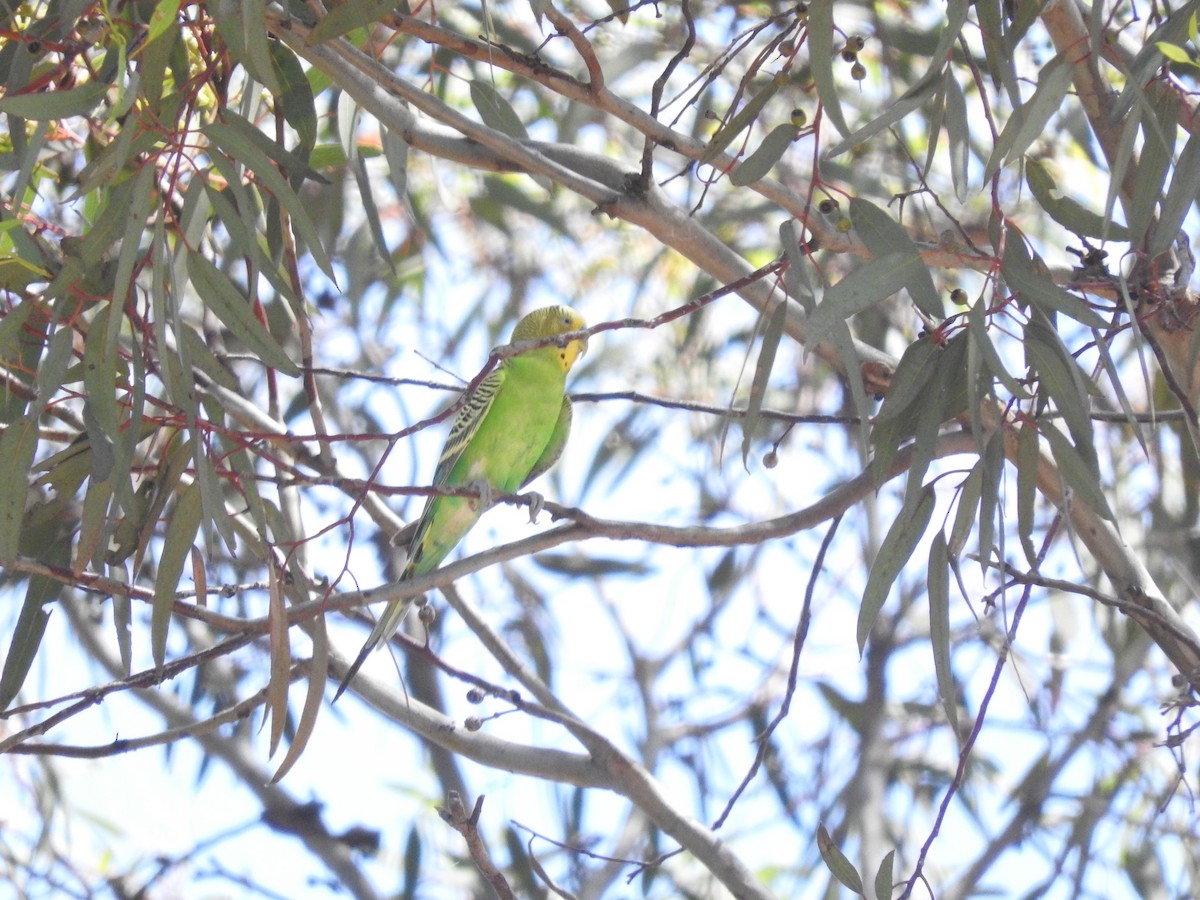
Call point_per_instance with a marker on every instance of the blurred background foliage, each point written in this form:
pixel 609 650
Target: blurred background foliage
pixel 871 563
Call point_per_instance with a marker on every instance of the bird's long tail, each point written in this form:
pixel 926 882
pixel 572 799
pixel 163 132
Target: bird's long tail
pixel 387 625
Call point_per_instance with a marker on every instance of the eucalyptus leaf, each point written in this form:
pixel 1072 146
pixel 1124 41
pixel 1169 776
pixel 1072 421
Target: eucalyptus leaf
pixel 222 296
pixel 495 111
pixel 821 53
pixel 177 546
pixel 763 159
pixel 762 376
pixel 938 587
pixel 841 867
pixel 895 550
pixel 27 635
pixel 1035 287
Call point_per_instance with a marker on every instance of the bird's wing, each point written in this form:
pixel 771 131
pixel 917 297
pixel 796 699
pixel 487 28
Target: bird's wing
pixel 554 447
pixel 466 424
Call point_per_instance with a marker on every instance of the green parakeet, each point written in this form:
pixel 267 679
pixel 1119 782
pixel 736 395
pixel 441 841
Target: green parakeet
pixel 509 430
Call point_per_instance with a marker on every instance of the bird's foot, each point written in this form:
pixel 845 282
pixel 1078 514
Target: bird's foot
pixel 536 502
pixel 484 490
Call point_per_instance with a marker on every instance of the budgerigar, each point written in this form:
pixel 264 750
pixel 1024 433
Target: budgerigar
pixel 509 430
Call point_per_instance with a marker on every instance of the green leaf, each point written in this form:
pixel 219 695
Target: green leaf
pixel 821 53
pixel 177 545
pixel 162 20
pixel 296 102
pixel 992 459
pixel 228 303
pixel 912 100
pixel 1028 458
pixel 742 119
pixel 964 515
pixel 254 53
pixel 939 636
pixel 897 546
pixel 348 16
pixel 977 326
pixel 50 105
pixel 1068 212
pixel 913 373
pixel 762 375
pixel 495 111
pixel 241 132
pixel 17 446
pixel 27 636
pixel 1079 473
pixel 1028 121
pixel 1061 377
pixel 1159 128
pixel 95 528
pixel 884 878
pixel 873 281
pixel 1178 199
pixel 898 418
pixel 945 398
pixel 100 411
pixel 246 151
pixel 762 160
pixel 1174 53
pixel 1035 288
pixel 958 131
pixel 883 235
pixel 843 870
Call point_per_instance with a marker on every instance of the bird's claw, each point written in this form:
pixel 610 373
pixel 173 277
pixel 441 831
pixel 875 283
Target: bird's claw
pixel 484 490
pixel 536 502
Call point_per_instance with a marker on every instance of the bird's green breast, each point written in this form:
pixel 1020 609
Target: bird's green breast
pixel 518 425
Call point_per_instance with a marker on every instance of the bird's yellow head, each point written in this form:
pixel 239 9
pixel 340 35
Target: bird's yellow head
pixel 549 321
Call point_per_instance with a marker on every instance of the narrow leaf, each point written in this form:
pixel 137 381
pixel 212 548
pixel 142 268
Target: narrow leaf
pixel 281 659
pixel 225 300
pixel 1028 458
pixel 348 16
pixel 318 676
pixel 296 102
pixel 742 119
pixel 820 53
pixel 968 503
pixel 17 447
pixel 177 544
pixel 912 100
pixel 1028 121
pixel 762 375
pixel 897 547
pixel 939 632
pixel 496 111
pixel 883 235
pixel 913 373
pixel 1078 472
pixel 762 160
pixel 49 105
pixel 27 636
pixel 884 878
pixel 843 870
pixel 1061 378
pixel 1178 199
pixel 1066 211
pixel 246 152
pixel 958 133
pixel 873 281
pixel 1037 289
